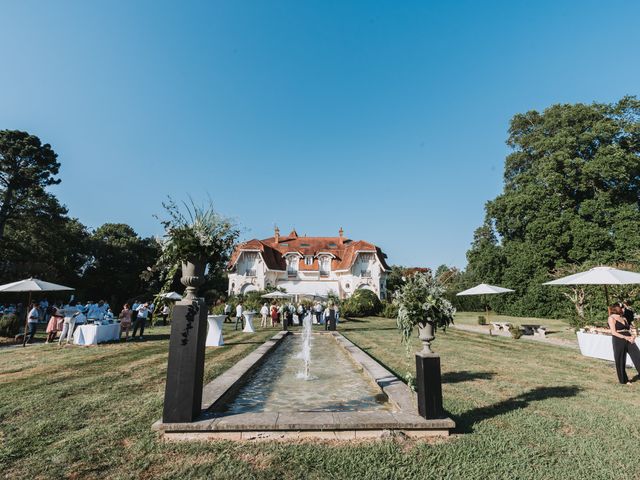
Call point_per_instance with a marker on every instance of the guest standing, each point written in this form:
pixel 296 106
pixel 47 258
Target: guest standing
pixel 55 323
pixel 69 310
pixel 264 312
pixel 330 318
pixel 125 321
pixel 32 323
pixel 227 312
pixel 239 311
pixel 165 314
pixel 141 320
pixel 274 315
pixel 623 343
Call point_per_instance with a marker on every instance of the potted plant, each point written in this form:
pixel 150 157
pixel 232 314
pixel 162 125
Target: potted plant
pixel 191 242
pixel 421 303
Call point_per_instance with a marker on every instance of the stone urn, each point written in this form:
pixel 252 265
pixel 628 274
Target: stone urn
pixel 426 331
pixel 192 276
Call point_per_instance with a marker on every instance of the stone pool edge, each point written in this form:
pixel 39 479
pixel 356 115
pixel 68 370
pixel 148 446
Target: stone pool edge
pixel 299 425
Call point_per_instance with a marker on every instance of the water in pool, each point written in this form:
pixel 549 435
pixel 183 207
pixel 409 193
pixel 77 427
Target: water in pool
pixel 334 382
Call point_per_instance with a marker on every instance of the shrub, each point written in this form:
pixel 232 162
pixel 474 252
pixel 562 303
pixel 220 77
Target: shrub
pixel 482 320
pixel 362 303
pixel 9 325
pixel 515 331
pixel 390 310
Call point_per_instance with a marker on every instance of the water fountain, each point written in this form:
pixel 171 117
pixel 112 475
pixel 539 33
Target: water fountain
pixel 305 352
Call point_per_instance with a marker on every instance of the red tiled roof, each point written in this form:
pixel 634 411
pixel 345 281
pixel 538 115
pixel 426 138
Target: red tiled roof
pixel 343 249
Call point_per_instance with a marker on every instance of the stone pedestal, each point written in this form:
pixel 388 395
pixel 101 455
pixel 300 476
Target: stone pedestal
pixel 185 371
pixel 429 383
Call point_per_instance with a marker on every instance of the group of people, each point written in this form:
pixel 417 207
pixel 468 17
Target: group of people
pixel 623 336
pixel 291 314
pixel 63 319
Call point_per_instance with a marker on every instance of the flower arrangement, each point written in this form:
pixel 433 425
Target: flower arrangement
pixel 198 237
pixel 421 303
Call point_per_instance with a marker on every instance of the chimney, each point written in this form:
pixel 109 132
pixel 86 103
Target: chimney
pixel 341 232
pixel 276 235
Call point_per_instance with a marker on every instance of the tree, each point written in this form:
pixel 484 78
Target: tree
pixel 118 256
pixel 571 196
pixel 42 241
pixel 27 167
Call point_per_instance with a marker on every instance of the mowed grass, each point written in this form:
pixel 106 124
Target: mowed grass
pixel 556 328
pixel 524 411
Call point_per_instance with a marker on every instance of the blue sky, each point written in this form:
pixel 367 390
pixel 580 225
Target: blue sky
pixel 388 119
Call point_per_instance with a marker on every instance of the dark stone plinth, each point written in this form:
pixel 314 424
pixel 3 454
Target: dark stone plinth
pixel 429 383
pixel 185 371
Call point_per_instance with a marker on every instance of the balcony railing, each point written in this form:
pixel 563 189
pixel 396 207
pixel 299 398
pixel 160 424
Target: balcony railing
pixel 292 273
pixel 365 273
pixel 324 273
pixel 250 273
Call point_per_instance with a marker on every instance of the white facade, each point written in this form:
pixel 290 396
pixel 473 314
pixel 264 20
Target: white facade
pixel 250 272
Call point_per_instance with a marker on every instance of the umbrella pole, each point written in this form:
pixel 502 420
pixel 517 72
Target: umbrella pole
pixel 606 294
pixel 26 320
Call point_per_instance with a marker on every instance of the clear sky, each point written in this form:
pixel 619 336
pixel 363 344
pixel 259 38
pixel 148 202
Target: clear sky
pixel 388 119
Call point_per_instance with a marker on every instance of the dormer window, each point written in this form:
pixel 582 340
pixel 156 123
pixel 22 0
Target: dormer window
pixel 325 265
pixel 305 245
pixel 332 245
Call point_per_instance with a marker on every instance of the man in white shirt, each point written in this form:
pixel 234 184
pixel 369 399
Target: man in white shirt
pixel 227 312
pixel 32 323
pixel 141 320
pixel 239 318
pixel 264 311
pixel 68 325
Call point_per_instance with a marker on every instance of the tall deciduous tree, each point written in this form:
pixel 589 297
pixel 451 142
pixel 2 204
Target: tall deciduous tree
pixel 118 256
pixel 571 196
pixel 26 167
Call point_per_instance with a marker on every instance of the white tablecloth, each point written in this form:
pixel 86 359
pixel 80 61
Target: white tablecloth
pixel 94 334
pixel 599 346
pixel 214 337
pixel 248 323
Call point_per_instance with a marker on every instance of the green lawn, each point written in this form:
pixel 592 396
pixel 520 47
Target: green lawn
pixel 557 328
pixel 524 410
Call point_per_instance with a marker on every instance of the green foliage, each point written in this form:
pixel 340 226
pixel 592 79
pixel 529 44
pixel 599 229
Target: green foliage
pixel 482 320
pixel 118 257
pixel 515 331
pixel 421 299
pixel 389 310
pixel 27 167
pixel 199 234
pixel 362 303
pixel 571 189
pixel 9 325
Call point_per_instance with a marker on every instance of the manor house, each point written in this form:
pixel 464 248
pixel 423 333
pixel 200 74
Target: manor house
pixel 308 265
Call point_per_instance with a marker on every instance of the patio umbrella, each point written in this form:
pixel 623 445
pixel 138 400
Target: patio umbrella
pixel 599 276
pixel 171 296
pixel 31 285
pixel 277 295
pixel 484 289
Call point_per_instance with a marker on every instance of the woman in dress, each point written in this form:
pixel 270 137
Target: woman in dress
pixel 623 343
pixel 56 321
pixel 125 321
pixel 274 315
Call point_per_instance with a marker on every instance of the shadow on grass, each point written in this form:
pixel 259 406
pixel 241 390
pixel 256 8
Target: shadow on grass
pixel 154 337
pixel 466 421
pixel 242 343
pixel 465 376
